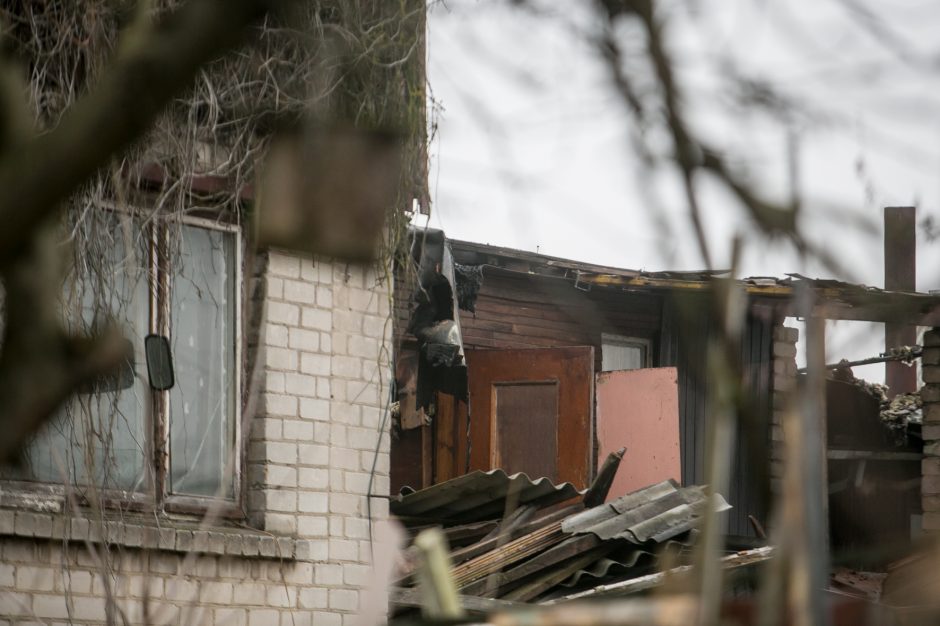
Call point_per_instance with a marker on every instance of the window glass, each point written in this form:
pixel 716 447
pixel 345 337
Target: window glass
pixel 103 436
pixel 100 436
pixel 622 353
pixel 202 403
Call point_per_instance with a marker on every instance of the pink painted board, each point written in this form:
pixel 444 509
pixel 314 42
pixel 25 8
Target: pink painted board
pixel 639 410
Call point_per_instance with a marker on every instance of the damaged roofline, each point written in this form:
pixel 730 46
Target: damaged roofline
pixel 835 300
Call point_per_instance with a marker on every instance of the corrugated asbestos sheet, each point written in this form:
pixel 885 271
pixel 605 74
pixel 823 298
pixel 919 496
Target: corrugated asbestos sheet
pixel 479 495
pixel 655 513
pixel 626 561
pixel 549 552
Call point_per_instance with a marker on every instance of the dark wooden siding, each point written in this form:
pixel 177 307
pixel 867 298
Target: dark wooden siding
pixel 870 520
pixel 526 311
pixel 683 345
pixel 750 473
pixel 684 339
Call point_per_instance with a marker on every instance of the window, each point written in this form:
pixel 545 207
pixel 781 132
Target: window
pixel 624 353
pixel 172 448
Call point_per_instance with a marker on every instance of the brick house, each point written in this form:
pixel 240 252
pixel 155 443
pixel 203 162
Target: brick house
pixel 316 447
pixel 239 494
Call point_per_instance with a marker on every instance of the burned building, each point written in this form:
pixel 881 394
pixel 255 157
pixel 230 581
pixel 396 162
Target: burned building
pixel 564 361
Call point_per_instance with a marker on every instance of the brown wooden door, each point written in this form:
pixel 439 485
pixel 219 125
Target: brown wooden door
pixel 531 411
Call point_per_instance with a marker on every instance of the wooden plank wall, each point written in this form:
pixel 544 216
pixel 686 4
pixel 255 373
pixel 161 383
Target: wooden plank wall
pixel 516 310
pixel 526 311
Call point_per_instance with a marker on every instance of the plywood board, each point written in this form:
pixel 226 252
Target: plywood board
pixel 639 410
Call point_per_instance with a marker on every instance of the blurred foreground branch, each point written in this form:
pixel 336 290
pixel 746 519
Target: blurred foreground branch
pixel 691 155
pixel 41 365
pixel 157 60
pixel 435 576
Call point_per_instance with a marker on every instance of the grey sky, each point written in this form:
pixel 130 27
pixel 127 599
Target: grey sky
pixel 532 149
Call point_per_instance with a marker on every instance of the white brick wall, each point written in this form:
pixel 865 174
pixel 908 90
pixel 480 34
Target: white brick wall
pixel 325 346
pixel 784 360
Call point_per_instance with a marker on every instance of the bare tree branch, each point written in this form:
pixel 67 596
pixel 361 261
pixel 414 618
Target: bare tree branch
pixel 154 64
pixel 41 365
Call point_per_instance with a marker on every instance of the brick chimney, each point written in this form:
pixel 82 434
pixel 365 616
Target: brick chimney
pixel 900 275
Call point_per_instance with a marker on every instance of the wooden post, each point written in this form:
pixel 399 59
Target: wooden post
pixel 900 255
pixel 802 532
pixel 815 472
pixel 435 577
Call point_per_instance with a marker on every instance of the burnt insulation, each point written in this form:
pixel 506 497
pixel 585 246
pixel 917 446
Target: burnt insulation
pixel 469 279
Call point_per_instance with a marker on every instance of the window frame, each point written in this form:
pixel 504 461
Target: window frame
pixel 178 503
pixel 156 228
pixel 629 341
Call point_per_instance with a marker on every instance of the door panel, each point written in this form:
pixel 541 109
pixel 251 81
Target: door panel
pixel 526 433
pixel 639 410
pixel 532 411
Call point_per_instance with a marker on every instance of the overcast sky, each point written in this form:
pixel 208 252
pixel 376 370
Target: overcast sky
pixel 532 148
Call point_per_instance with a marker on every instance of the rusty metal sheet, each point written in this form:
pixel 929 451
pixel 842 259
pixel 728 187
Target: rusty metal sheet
pixel 655 513
pixel 479 495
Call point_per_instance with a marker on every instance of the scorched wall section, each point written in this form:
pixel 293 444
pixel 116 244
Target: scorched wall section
pixel 517 310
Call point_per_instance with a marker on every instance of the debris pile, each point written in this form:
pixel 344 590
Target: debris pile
pixel 514 539
pixel 902 415
pixel 868 585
